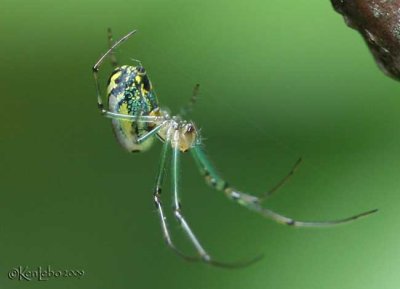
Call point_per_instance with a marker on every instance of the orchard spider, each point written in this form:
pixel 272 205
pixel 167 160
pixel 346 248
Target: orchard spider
pixel 137 120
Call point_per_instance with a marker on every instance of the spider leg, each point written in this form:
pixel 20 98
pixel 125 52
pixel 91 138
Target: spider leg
pixel 133 118
pixel 282 182
pixel 189 106
pixel 113 58
pixel 137 61
pixel 151 132
pixel 157 201
pixel 254 203
pixel 204 256
pixel 96 69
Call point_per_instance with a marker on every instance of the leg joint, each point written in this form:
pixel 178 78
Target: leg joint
pixel 290 222
pixel 178 214
pixel 206 258
pixel 157 201
pixel 157 191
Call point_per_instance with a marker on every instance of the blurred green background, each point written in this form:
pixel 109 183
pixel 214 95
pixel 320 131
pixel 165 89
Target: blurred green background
pixel 279 80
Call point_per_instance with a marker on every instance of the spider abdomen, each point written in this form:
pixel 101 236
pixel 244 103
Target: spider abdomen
pixel 130 92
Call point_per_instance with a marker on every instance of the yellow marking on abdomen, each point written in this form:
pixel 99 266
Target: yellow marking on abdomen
pixel 112 84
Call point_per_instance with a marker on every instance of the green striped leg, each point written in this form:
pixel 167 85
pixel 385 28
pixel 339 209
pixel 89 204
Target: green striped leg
pixel 254 203
pixel 157 201
pixel 204 256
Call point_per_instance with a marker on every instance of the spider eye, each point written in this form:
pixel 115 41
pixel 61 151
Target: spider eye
pixel 189 128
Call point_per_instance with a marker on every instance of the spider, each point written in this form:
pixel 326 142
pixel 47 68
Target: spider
pixel 137 120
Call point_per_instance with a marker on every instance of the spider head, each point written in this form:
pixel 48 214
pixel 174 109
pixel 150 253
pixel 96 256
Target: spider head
pixel 188 136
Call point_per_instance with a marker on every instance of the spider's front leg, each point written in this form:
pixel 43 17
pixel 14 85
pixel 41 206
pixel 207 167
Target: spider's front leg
pixel 157 201
pixel 181 219
pixel 254 203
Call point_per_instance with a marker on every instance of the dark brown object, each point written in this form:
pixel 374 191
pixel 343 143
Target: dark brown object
pixel 378 21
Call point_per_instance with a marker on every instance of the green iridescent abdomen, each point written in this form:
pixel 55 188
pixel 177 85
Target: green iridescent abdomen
pixel 129 92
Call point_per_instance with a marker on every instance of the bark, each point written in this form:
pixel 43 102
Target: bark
pixel 378 21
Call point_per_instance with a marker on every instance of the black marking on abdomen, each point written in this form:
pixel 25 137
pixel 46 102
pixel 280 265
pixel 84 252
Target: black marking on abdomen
pixel 112 74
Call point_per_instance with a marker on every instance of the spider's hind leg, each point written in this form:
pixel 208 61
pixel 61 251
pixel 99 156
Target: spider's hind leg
pixel 254 203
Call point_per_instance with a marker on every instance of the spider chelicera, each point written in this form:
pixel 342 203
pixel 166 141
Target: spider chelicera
pixel 137 120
